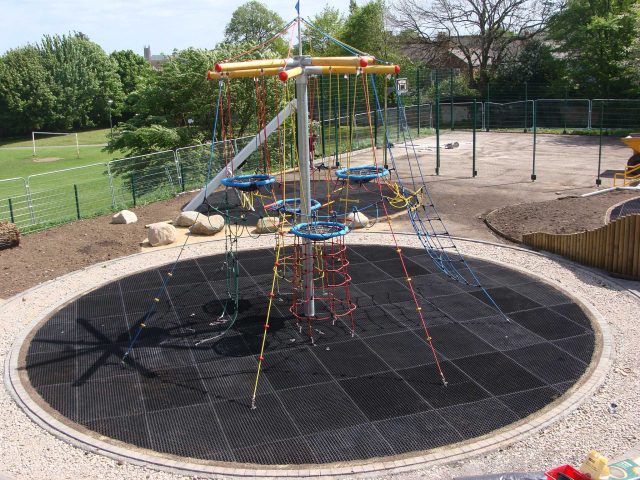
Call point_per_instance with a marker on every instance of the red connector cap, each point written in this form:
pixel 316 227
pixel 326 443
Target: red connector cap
pixel 284 76
pixel 396 69
pixel 218 67
pixel 363 62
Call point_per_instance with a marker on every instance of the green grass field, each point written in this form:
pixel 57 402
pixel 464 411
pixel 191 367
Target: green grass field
pixel 89 137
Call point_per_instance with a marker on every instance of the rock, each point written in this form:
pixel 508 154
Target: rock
pixel 208 225
pixel 161 234
pixel 268 225
pixel 186 219
pixel 9 235
pixel 357 220
pixel 124 217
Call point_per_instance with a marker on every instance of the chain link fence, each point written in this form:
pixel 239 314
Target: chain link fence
pixel 43 200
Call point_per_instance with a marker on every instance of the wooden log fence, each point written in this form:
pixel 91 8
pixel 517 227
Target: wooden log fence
pixel 614 247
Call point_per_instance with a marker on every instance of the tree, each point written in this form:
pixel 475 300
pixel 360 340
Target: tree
pixel 595 37
pixel 483 32
pixel 331 22
pixel 365 30
pixel 82 79
pixel 253 23
pixel 536 65
pixel 26 99
pixel 132 69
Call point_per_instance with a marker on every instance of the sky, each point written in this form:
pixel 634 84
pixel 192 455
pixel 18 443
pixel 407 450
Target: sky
pixel 132 24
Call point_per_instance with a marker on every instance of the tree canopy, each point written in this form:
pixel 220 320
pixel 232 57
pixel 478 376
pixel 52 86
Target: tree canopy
pixel 596 38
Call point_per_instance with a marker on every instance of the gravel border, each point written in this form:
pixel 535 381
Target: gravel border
pixel 44 453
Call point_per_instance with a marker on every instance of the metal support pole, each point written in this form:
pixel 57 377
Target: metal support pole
pixel 474 172
pixel 486 111
pixel 322 116
pixel 13 220
pixel 133 189
pixel 535 133
pixel 336 128
pixel 526 104
pixel 395 88
pixel 182 189
pixel 451 97
pixel 437 125
pixel 302 117
pixel 564 111
pixel 349 110
pixel 418 91
pixel 111 190
pixel 75 192
pixel 598 179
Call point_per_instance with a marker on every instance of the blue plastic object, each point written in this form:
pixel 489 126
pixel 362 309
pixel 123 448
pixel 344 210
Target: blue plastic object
pixel 320 230
pixel 362 174
pixel 292 205
pixel 248 182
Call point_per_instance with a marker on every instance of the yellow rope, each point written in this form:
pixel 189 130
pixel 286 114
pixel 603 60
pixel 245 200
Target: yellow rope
pixel 266 323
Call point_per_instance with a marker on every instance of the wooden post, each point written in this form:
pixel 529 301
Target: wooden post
pixel 616 246
pixel 624 232
pixel 632 235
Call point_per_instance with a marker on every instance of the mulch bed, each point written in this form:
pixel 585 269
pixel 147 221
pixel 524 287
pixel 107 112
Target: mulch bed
pixel 563 215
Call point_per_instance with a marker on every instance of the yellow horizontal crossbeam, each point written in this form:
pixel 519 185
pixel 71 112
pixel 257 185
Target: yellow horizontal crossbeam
pixel 249 73
pixel 342 61
pixel 250 64
pixel 295 71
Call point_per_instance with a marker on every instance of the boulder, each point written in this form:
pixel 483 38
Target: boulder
pixel 124 217
pixel 357 220
pixel 208 225
pixel 186 219
pixel 268 225
pixel 161 234
pixel 9 235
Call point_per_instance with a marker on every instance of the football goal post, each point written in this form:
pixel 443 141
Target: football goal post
pixel 73 135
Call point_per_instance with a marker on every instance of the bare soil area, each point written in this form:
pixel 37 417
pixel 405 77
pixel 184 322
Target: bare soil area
pixel 51 253
pixel 562 215
pixel 55 252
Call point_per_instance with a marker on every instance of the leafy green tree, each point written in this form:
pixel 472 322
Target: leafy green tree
pixel 330 21
pixel 132 69
pixel 365 30
pixel 82 79
pixel 26 99
pixel 536 65
pixel 595 37
pixel 253 23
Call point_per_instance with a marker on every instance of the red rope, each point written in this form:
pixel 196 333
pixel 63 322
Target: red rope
pixel 395 240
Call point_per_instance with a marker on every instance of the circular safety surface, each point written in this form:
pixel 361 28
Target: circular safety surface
pixel 377 393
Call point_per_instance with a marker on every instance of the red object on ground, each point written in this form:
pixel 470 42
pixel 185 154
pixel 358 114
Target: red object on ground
pixel 568 471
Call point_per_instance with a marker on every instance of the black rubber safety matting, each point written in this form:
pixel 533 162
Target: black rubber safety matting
pixel 630 207
pixel 376 393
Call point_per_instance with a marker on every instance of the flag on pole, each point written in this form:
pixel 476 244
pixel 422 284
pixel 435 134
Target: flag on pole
pixel 298 7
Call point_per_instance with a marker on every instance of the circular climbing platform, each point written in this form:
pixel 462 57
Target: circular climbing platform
pixel 373 393
pixel 362 174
